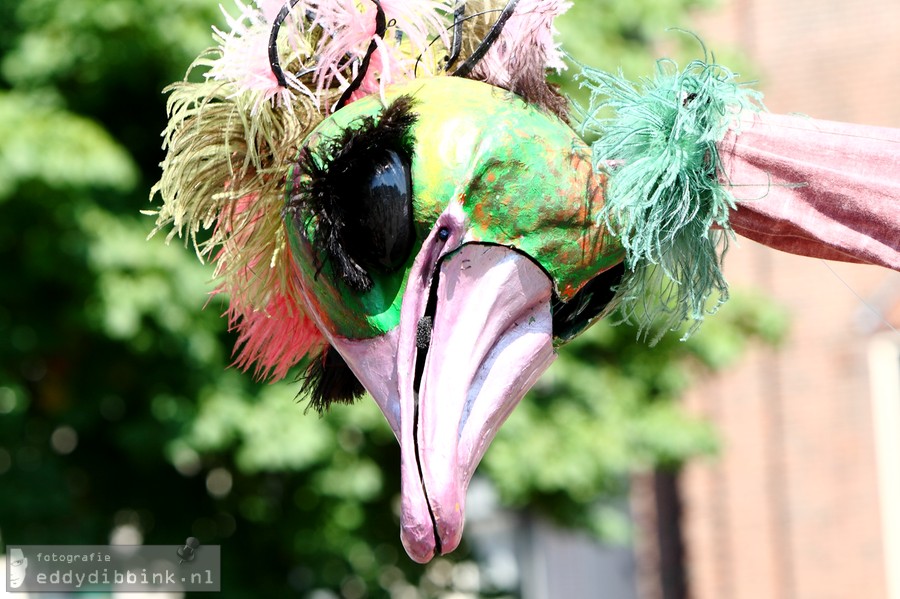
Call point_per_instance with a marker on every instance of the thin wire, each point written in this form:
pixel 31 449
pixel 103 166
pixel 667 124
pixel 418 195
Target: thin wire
pixel 871 308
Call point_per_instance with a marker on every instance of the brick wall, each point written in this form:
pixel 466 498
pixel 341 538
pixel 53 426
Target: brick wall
pixel 790 510
pixel 830 59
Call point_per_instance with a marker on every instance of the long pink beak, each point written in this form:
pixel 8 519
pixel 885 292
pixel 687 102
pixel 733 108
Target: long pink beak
pixel 475 334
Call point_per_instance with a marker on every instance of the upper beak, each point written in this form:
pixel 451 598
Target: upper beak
pixel 475 334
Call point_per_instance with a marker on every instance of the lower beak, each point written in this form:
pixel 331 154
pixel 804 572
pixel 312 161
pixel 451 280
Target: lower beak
pixel 481 316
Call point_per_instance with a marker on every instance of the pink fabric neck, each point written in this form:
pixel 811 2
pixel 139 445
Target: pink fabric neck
pixel 816 188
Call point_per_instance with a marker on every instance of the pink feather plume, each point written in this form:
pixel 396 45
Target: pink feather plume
pixel 526 46
pixel 274 333
pixel 348 27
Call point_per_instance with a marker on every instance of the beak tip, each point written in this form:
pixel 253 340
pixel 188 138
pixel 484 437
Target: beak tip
pixel 423 551
pixel 426 538
pixel 420 548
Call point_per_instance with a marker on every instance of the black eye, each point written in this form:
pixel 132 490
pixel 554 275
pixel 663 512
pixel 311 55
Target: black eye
pixel 380 234
pixel 357 191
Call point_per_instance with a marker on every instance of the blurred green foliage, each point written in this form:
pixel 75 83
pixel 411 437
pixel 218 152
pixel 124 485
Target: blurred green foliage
pixel 116 403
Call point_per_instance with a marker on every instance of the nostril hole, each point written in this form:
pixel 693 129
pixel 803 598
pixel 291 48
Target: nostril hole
pixel 444 233
pixel 423 332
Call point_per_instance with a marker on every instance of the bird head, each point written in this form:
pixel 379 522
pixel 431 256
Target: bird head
pixel 431 239
pixel 443 235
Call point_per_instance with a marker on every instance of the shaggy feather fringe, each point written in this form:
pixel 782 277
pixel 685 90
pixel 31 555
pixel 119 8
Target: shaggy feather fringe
pixel 657 141
pixel 223 191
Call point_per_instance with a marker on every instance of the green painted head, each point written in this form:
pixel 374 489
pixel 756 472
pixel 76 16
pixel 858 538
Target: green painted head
pixel 516 175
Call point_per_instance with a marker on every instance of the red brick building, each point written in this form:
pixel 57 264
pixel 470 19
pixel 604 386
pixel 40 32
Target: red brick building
pixel 804 501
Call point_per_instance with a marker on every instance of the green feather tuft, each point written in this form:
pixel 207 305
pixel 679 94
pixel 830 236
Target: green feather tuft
pixel 657 143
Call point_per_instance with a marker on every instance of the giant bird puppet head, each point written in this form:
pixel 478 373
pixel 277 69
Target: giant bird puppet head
pixel 395 197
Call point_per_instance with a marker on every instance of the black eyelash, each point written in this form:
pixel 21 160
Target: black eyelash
pixel 326 185
pixel 329 380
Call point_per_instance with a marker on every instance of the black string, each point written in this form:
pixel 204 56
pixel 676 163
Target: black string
pixel 273 42
pixel 380 28
pixel 458 17
pixel 487 42
pixel 459 24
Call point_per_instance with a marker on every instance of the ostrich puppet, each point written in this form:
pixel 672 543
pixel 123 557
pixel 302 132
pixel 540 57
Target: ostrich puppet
pixel 396 197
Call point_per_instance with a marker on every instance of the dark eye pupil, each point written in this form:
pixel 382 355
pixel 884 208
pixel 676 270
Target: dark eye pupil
pixel 381 233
